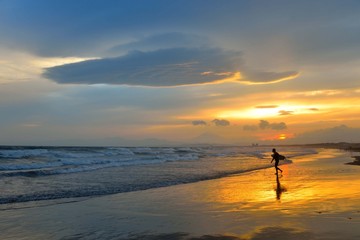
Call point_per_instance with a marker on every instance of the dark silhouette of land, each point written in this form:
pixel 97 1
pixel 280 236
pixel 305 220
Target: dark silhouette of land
pixel 355 147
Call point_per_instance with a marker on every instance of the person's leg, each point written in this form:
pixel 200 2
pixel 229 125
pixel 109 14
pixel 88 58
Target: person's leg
pixel 276 166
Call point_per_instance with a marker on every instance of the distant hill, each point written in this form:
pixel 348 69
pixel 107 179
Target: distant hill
pixel 336 134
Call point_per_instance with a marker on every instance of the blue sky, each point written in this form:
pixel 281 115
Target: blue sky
pixel 89 71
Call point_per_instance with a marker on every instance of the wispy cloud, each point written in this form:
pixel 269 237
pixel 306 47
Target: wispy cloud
pixel 253 77
pixel 267 106
pixel 284 112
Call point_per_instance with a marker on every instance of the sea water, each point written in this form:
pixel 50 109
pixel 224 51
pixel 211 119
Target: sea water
pixel 34 175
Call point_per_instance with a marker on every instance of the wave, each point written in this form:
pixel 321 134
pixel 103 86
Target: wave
pixel 62 169
pixel 45 161
pixel 118 188
pixel 67 160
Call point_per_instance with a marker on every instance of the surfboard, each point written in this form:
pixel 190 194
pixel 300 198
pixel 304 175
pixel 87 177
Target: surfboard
pixel 281 157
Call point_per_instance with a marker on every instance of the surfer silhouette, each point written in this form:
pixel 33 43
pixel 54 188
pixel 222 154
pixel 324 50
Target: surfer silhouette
pixel 276 157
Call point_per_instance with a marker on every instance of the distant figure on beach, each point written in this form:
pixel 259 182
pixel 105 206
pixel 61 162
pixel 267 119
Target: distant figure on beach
pixel 276 157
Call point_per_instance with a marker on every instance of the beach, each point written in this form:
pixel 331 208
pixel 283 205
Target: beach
pixel 316 197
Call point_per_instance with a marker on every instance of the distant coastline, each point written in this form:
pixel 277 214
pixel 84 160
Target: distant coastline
pixel 352 147
pixel 340 145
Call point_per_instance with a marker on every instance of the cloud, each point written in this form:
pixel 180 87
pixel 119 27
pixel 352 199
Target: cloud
pixel 198 123
pixel 164 67
pixel 274 126
pixel 284 112
pixel 159 68
pixel 252 77
pixel 221 122
pixel 264 125
pixel 267 106
pixel 164 40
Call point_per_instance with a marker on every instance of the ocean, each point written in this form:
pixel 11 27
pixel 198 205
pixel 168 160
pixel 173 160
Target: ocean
pixel 37 175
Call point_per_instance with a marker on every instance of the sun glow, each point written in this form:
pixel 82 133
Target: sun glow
pixel 282 137
pixel 51 62
pixel 250 113
pixel 270 111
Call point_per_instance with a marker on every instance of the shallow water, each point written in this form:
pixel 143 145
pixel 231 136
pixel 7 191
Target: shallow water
pixel 29 174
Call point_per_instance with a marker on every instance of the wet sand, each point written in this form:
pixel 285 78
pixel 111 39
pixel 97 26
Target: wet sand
pixel 316 197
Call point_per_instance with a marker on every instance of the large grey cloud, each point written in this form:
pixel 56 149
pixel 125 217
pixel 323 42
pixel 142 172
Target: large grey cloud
pixel 163 67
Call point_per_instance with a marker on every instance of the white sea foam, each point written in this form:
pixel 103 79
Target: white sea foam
pixel 95 158
pixel 25 159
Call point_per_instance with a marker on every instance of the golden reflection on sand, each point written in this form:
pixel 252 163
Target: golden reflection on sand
pixel 325 188
pixel 236 189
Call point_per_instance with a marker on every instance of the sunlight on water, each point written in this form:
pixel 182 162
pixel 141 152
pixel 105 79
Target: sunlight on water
pixel 297 189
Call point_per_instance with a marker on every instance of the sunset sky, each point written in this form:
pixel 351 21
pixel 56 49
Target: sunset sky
pixel 236 72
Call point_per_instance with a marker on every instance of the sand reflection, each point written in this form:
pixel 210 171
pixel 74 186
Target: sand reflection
pixel 279 188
